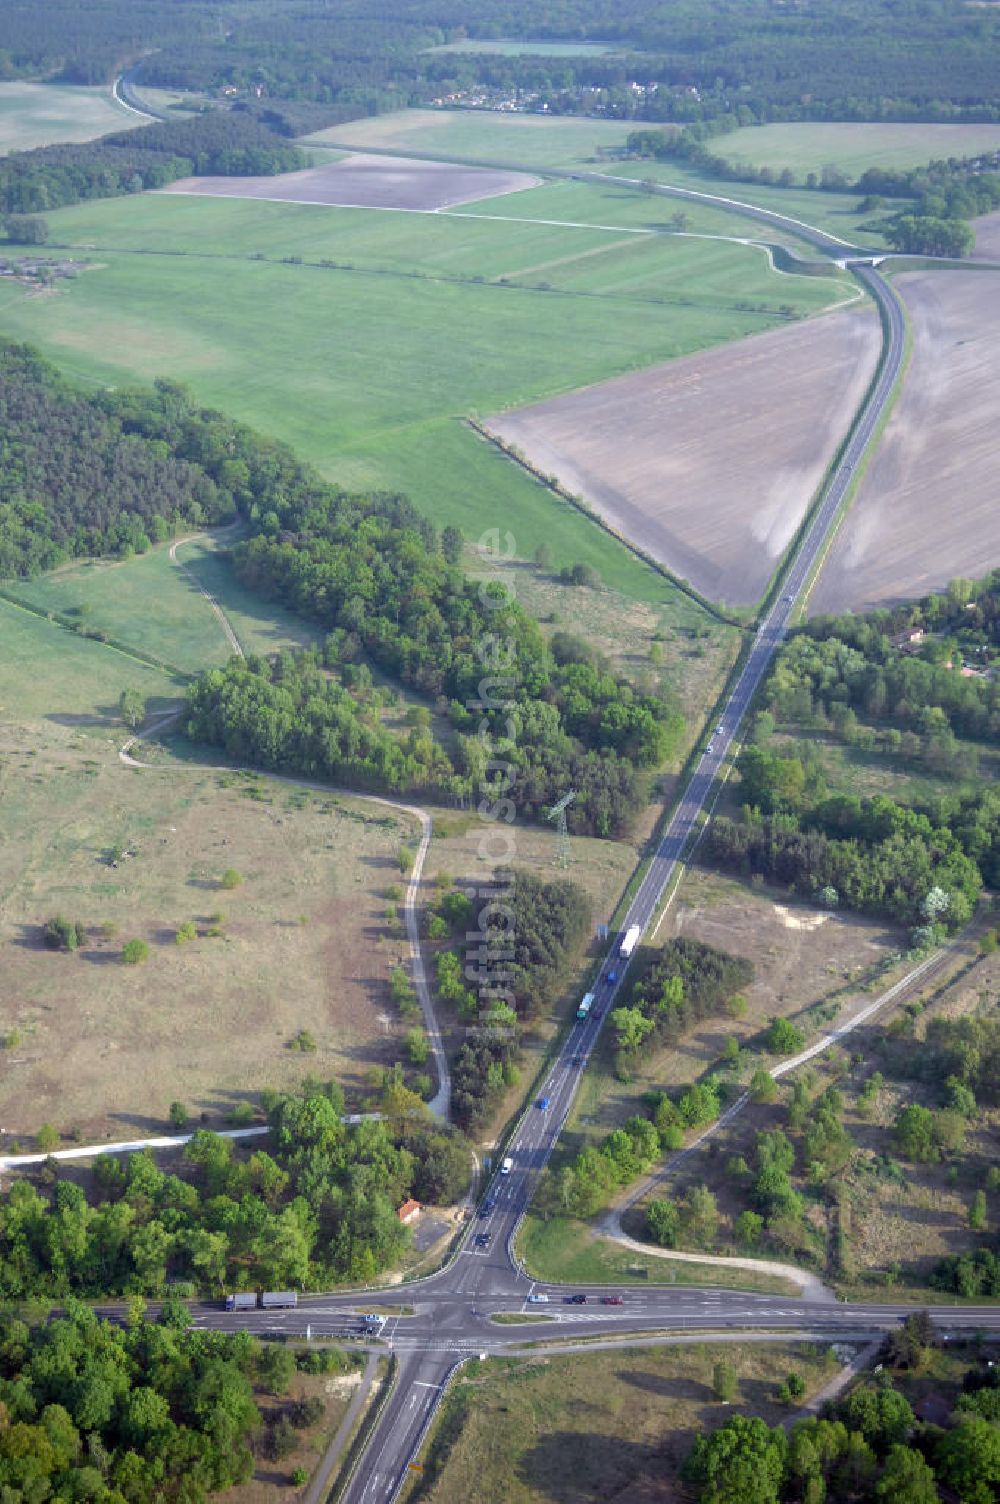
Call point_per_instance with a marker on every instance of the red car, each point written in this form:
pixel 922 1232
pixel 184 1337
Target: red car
pixel 612 1300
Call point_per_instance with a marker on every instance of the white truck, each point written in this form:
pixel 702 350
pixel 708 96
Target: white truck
pixel 630 939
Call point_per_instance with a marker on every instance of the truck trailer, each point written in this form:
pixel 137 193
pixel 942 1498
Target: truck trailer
pixel 242 1301
pixel 267 1300
pixel 630 939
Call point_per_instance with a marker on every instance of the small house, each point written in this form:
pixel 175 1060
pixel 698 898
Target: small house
pixel 409 1212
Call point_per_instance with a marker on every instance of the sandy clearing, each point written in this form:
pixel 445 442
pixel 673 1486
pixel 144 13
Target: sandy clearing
pixel 927 508
pixel 709 462
pixel 366 182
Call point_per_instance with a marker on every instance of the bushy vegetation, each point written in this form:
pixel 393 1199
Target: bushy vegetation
pixel 683 982
pixel 922 864
pixel 532 933
pixel 232 145
pixel 91 1410
pixel 317 1208
pixel 867 1445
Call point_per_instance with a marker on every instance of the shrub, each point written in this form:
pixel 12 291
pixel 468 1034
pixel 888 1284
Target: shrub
pixel 47 1137
pixel 303 1041
pixel 63 934
pixel 783 1038
pixel 298 1477
pixel 763 1087
pixel 179 1115
pixel 187 931
pixel 134 952
pixel 230 879
pixel 406 860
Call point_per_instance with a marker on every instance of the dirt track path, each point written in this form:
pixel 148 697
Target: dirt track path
pixel 223 619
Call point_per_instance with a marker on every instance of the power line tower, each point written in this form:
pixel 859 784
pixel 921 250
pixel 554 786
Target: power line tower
pixel 558 814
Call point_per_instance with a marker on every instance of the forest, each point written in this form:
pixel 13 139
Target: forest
pixel 532 935
pixel 229 143
pixel 916 685
pixel 113 471
pixel 836 59
pixel 75 483
pixel 867 1445
pixel 139 1412
pixel 316 1209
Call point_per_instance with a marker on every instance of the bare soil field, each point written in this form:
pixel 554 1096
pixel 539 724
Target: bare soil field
pixel 710 462
pixel 987 230
pixel 365 182
pixel 927 508
pixel 94 1044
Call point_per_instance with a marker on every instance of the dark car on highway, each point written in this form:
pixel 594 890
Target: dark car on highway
pixel 576 1300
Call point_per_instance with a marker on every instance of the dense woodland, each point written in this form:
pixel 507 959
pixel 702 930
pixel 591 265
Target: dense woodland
pixel 75 482
pixel 532 935
pixel 838 59
pixel 143 1412
pixel 317 1208
pixel 231 144
pixel 868 1445
pixel 915 684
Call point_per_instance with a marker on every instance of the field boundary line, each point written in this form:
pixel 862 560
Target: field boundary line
pixel 556 487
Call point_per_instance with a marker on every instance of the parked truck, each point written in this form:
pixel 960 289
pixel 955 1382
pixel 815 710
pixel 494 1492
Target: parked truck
pixel 242 1301
pixel 630 939
pixel 266 1300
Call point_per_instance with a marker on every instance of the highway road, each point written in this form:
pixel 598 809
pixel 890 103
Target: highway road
pixel 453 1310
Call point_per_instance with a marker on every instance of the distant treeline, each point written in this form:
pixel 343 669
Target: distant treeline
pixel 228 143
pixel 835 59
pixel 942 196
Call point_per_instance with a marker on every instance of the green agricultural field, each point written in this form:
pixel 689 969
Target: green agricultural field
pixel 368 371
pixel 808 146
pixel 49 673
pixel 147 603
pixel 836 213
pixel 525 140
pixel 39 114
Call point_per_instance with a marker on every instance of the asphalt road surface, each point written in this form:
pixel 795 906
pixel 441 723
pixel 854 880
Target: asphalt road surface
pixel 453 1310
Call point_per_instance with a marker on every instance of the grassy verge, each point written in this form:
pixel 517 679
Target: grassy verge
pixel 566 1251
pixel 594 1425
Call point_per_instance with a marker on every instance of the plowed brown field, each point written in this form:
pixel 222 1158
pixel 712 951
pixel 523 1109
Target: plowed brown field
pixel 927 508
pixel 364 182
pixel 709 463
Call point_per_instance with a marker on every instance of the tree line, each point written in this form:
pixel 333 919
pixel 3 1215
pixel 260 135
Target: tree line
pixel 318 1207
pixel 227 143
pixel 839 61
pixel 941 197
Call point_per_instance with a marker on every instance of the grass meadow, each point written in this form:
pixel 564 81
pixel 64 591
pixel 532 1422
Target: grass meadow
pixel 549 1429
pixel 40 114
pixel 368 367
pixel 809 146
pixel 530 140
